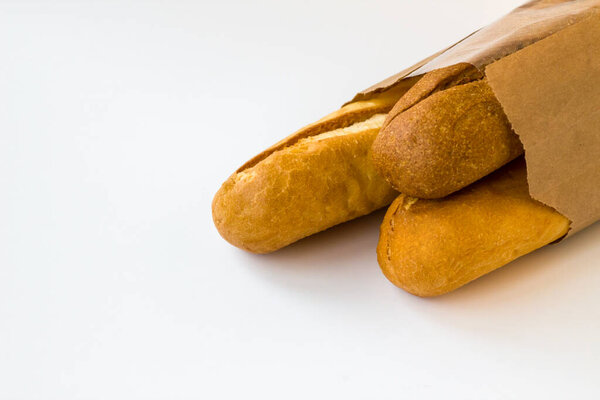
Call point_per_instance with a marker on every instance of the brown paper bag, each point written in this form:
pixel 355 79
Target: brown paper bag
pixel 543 62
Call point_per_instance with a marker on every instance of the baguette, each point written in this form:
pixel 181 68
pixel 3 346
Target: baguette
pixel 431 247
pixel 312 180
pixel 448 131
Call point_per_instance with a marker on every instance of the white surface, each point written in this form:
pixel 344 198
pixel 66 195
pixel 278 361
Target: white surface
pixel 119 120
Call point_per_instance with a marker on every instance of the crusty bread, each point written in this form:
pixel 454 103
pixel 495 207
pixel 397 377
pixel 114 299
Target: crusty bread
pixel 448 131
pixel 431 247
pixel 316 178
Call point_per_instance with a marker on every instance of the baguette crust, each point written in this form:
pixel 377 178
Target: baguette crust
pixel 431 247
pixel 433 82
pixel 318 182
pixel 314 179
pixel 438 140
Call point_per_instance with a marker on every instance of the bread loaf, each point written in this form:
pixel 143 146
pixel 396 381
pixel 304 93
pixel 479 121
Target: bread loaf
pixel 316 178
pixel 431 247
pixel 448 131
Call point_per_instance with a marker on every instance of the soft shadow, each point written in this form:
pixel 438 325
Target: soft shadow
pixel 337 246
pixel 335 263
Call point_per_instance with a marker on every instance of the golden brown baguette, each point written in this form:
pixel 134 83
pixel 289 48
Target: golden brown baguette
pixel 431 247
pixel 448 131
pixel 316 178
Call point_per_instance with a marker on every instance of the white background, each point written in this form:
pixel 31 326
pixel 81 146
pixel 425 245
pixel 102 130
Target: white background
pixel 119 121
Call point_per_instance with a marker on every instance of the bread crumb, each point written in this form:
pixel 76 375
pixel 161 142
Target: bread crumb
pixel 409 201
